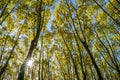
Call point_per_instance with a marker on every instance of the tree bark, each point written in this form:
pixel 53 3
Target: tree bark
pixel 33 44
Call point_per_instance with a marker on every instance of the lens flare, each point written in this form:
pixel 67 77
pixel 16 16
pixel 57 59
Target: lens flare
pixel 29 63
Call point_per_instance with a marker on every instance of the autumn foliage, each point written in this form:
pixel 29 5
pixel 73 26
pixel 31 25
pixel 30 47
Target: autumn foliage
pixel 59 40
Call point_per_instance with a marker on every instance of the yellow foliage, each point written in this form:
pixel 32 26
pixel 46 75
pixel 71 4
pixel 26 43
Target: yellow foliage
pixel 100 16
pixel 31 37
pixel 90 11
pixel 116 37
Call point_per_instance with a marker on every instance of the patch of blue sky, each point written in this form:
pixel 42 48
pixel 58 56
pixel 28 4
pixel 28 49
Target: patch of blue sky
pixel 13 16
pixel 4 24
pixel 75 6
pixel 0 11
pixel 104 2
pixel 93 19
pixel 52 17
pixel 49 25
pixel 74 3
pixel 22 21
pixel 1 27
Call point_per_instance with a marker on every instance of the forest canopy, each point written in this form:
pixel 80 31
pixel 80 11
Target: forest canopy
pixel 59 40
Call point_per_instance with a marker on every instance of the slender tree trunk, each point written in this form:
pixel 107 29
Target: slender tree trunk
pixel 87 49
pixel 114 6
pixel 93 61
pixel 107 13
pixel 39 71
pixel 3 69
pixel 75 67
pixel 4 9
pixel 33 44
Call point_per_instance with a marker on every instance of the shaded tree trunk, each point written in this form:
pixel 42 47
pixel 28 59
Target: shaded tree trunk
pixel 33 43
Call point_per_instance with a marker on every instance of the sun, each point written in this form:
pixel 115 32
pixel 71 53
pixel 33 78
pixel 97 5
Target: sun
pixel 30 63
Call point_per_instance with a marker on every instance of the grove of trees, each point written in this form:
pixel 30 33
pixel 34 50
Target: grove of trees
pixel 59 40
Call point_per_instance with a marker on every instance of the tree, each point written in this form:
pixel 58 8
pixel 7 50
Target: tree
pixel 59 40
